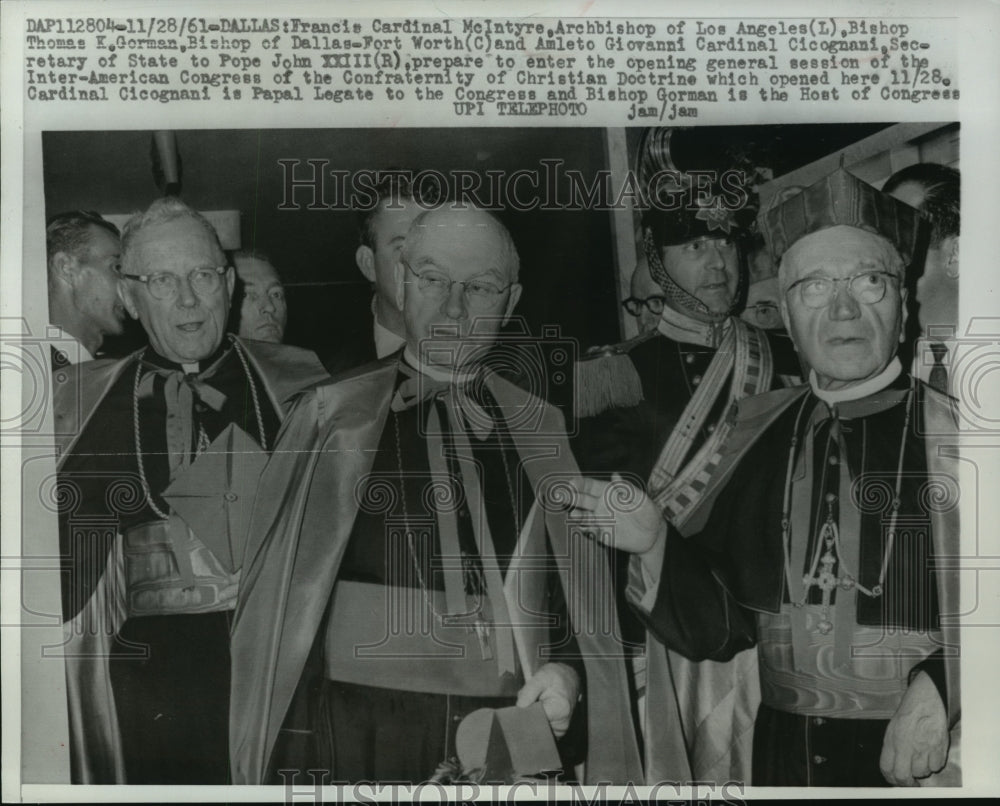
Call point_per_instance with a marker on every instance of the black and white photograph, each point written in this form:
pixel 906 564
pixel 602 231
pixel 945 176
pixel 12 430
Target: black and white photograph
pixel 559 452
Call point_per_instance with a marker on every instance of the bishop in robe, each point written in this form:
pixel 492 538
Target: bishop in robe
pixel 409 562
pixel 160 453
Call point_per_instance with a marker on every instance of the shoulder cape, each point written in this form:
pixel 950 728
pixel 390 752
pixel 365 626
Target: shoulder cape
pixel 302 522
pixel 940 431
pixel 96 755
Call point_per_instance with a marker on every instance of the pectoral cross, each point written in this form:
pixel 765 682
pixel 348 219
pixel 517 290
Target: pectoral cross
pixel 475 588
pixel 483 629
pixel 825 579
pixel 477 624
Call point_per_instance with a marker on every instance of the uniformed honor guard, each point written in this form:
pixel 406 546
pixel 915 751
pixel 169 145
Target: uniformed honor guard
pixel 655 410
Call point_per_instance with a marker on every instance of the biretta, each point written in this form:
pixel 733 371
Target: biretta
pixel 841 199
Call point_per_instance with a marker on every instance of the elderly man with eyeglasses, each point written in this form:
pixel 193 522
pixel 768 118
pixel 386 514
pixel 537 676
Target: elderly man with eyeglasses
pixel 159 457
pixel 402 536
pixel 821 542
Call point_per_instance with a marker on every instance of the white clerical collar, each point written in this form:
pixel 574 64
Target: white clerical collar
pixel 443 374
pixel 687 330
pixel 875 384
pixel 386 342
pixel 78 354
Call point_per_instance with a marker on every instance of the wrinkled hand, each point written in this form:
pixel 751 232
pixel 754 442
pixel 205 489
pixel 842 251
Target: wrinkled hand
pixel 557 687
pixel 638 523
pixel 916 741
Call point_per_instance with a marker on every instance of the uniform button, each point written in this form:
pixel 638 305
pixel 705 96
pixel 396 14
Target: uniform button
pixel 456 718
pixel 831 497
pixel 819 721
pixel 710 428
pixel 463 513
pixel 819 759
pixel 834 460
pixel 689 358
pixel 696 380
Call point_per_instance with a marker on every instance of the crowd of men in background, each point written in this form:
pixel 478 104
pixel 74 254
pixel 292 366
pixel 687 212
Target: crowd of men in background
pixel 230 622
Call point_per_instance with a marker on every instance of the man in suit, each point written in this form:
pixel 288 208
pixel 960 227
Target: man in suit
pixel 646 298
pixel 83 258
pixel 383 225
pixel 412 492
pixel 263 311
pixel 157 453
pixel 935 190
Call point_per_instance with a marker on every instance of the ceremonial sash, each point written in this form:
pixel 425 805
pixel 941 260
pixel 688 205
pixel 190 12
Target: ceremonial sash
pixel 700 715
pixel 382 636
pixel 745 356
pixel 169 571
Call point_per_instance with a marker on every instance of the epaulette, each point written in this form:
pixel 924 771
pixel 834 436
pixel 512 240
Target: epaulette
pixel 607 379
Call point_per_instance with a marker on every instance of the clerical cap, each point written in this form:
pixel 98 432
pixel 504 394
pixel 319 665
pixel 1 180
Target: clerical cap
pixel 841 199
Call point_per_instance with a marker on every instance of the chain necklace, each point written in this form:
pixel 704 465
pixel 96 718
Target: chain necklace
pixel 253 391
pixel 828 550
pixel 202 436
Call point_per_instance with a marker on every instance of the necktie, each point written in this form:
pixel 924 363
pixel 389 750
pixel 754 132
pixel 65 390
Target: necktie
pixel 939 373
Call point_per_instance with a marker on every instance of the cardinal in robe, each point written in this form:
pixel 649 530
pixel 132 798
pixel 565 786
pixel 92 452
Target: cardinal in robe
pixel 160 453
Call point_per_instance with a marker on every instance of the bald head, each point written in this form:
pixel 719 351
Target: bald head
pixel 457 274
pixel 469 220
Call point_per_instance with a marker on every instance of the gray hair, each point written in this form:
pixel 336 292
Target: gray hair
pixel 163 211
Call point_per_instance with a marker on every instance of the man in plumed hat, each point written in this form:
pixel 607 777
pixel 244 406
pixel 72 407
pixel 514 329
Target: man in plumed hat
pixel 820 540
pixel 653 410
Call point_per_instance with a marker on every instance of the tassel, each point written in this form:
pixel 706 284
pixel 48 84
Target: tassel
pixel 607 381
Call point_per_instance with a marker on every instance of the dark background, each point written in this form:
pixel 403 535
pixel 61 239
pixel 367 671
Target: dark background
pixel 567 256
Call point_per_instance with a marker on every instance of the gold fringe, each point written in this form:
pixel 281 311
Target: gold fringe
pixel 607 381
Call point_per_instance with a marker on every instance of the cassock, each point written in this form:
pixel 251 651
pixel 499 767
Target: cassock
pixel 147 595
pixel 372 342
pixel 820 550
pixel 407 531
pixel 654 410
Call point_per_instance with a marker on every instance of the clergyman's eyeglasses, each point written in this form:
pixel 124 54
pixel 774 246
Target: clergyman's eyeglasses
pixel 481 293
pixel 164 285
pixel 867 287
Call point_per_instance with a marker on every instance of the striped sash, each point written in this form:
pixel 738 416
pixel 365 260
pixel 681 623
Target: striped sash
pixel 745 356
